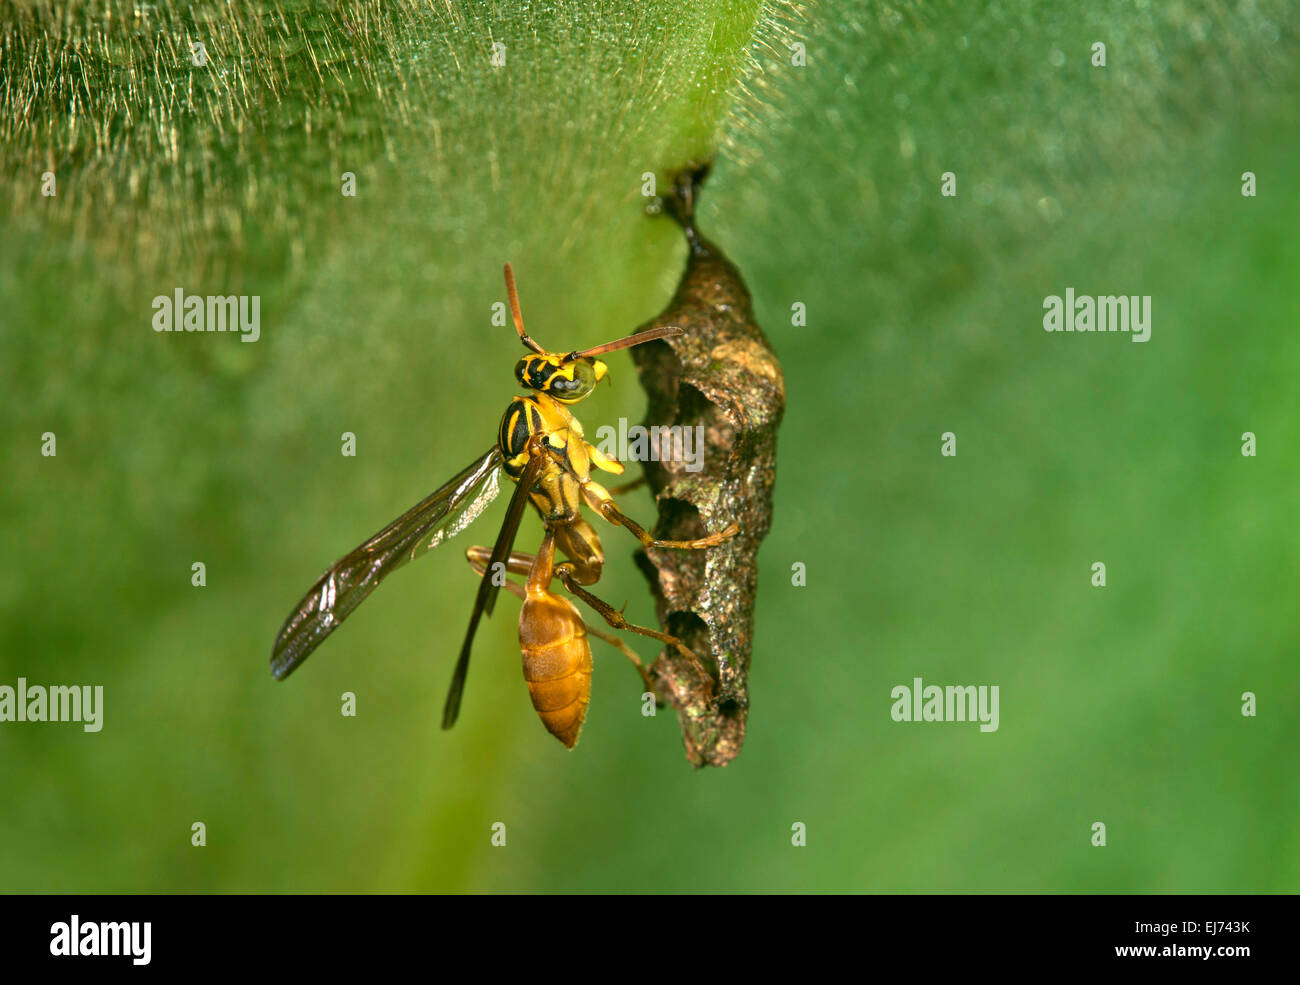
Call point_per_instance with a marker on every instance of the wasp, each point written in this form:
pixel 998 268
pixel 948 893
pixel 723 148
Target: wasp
pixel 541 448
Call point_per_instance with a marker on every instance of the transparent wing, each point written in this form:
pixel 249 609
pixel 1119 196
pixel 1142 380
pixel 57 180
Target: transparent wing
pixel 347 583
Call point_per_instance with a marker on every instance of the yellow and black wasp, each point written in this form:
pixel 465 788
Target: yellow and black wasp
pixel 540 446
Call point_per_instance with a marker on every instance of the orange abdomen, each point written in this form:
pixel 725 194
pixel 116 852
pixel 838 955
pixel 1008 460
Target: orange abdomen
pixel 557 663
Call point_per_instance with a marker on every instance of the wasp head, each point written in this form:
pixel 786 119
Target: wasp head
pixel 567 379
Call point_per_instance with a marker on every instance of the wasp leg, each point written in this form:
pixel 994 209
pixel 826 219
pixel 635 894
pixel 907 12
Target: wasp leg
pixel 616 619
pixel 518 563
pixel 478 558
pixel 582 547
pixel 521 563
pixel 600 500
pixel 577 540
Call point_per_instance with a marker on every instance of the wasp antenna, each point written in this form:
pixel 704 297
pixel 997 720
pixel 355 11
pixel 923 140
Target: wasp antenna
pixel 518 316
pixel 663 332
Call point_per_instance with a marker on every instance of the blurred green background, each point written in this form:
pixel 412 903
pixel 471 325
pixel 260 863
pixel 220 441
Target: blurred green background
pixel 1119 705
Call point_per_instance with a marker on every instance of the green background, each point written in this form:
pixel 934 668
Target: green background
pixel 1120 705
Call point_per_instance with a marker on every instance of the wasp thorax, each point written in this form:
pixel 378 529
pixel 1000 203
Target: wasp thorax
pixel 567 381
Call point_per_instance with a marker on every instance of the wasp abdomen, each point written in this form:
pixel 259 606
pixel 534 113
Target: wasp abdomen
pixel 557 663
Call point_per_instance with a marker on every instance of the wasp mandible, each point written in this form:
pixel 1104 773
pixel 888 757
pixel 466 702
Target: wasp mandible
pixel 540 446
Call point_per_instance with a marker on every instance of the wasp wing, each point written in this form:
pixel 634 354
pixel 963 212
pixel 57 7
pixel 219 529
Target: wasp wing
pixel 487 588
pixel 347 583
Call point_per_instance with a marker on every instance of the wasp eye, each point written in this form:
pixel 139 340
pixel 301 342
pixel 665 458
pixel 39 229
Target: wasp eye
pixel 533 373
pixel 568 390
